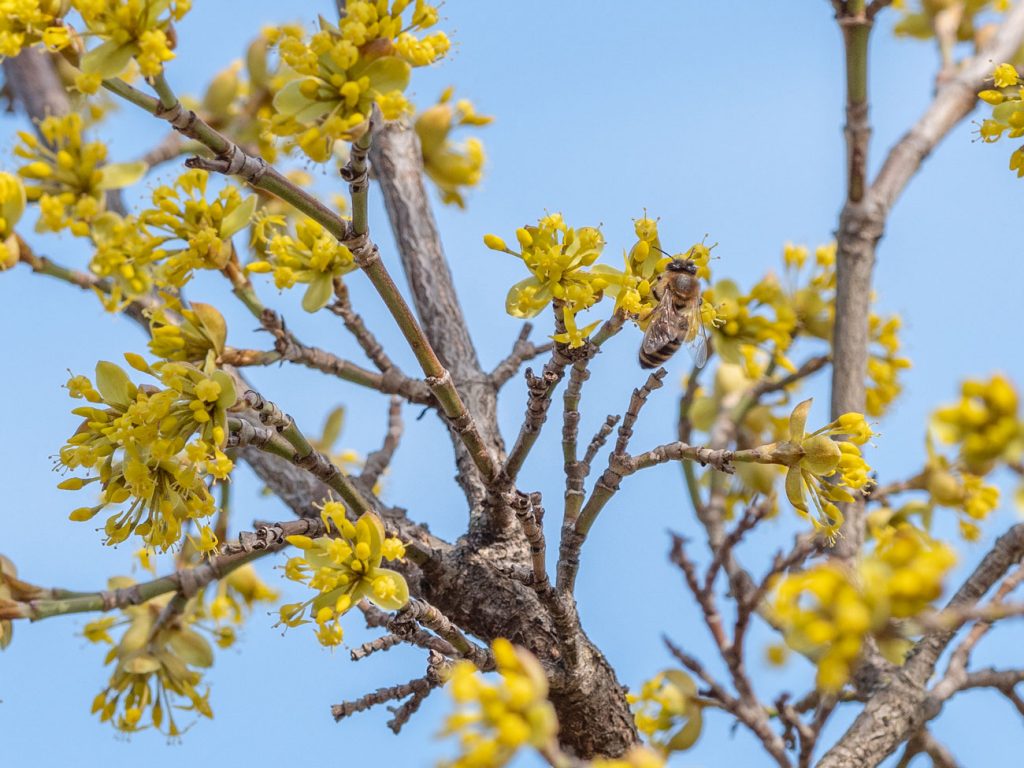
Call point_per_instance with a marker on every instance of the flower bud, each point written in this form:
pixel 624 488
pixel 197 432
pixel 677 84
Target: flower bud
pixel 495 243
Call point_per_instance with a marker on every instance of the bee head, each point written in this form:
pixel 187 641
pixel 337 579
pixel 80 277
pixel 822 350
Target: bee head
pixel 682 265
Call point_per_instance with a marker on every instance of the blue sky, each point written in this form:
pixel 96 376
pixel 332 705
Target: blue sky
pixel 721 118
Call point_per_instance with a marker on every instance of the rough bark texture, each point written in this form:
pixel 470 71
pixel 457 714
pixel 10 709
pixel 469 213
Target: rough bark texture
pixel 395 155
pixel 472 589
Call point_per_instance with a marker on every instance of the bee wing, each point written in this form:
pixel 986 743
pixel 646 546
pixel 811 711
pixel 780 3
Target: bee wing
pixel 664 328
pixel 696 334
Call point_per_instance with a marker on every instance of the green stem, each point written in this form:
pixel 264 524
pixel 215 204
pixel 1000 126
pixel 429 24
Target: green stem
pixel 140 593
pixel 856 31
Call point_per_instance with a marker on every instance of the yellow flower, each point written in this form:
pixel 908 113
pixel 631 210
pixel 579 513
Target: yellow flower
pixel 338 72
pixel 1005 75
pixel 191 335
pixel 311 256
pixel 69 176
pixel 819 457
pixel 27 22
pixel 343 571
pixel 449 165
pixel 574 337
pixel 129 29
pixel 557 258
pixel 668 711
pixel 155 669
pixel 494 721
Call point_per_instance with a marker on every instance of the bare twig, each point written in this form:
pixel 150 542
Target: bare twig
pixel 392 381
pixel 342 307
pixel 378 461
pixel 752 716
pixel 522 351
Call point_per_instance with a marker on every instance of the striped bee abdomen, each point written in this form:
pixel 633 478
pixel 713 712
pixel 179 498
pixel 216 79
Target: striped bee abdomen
pixel 658 356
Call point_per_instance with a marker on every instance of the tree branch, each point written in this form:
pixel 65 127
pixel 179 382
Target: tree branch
pixel 864 215
pixel 900 708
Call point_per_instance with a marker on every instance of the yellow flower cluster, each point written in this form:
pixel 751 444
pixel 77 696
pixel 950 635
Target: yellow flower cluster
pixel 195 335
pixel 12 206
pixel 819 457
pixel 202 228
pixel 67 175
pixel 27 22
pixel 130 29
pixel 311 256
pixel 984 423
pixel 950 22
pixel 557 257
pixel 234 598
pixel 343 570
pixel 828 610
pixel 949 486
pixel 338 72
pixel 449 165
pixel 155 667
pixel 1007 112
pixel 668 711
pixel 814 304
pixel 151 448
pixel 495 720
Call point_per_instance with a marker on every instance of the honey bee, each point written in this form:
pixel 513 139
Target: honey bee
pixel 677 318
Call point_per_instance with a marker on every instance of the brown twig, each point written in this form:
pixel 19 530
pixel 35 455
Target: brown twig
pixel 522 351
pixel 342 307
pixel 392 381
pixel 377 462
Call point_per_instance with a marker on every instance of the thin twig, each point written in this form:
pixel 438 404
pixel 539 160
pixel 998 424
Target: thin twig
pixel 522 351
pixel 378 461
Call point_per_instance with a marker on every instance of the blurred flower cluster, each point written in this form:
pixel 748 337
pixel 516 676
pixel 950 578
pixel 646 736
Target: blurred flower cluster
pixel 449 165
pixel 668 711
pixel 829 610
pixel 949 23
pixel 162 649
pixel 493 721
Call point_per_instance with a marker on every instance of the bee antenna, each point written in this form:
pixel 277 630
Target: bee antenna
pixel 662 250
